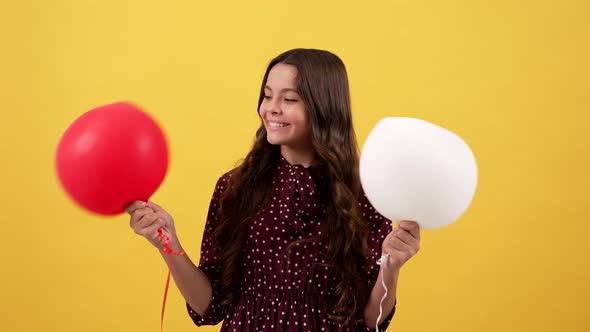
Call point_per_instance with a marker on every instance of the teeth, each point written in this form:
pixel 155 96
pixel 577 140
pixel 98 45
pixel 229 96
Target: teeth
pixel 276 124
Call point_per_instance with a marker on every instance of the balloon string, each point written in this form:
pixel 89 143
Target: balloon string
pixel 381 261
pixel 168 251
pixel 164 301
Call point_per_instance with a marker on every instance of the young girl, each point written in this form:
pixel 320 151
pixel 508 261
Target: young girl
pixel 291 242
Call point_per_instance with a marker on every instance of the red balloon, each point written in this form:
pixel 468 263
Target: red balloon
pixel 110 156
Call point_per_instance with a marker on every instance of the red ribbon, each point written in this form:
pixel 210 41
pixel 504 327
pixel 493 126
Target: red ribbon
pixel 169 251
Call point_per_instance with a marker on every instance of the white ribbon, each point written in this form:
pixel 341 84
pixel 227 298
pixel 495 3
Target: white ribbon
pixel 381 261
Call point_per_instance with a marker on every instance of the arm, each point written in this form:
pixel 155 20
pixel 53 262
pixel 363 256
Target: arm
pixel 399 246
pixel 146 220
pixel 372 307
pixel 193 284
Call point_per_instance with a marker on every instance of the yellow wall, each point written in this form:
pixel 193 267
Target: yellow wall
pixel 510 77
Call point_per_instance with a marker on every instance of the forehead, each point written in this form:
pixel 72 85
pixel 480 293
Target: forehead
pixel 282 76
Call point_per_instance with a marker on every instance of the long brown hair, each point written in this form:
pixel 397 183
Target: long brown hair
pixel 322 83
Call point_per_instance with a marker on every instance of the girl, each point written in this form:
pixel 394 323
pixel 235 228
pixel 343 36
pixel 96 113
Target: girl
pixel 291 241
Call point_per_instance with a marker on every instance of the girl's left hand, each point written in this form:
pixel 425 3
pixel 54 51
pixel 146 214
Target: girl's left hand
pixel 401 244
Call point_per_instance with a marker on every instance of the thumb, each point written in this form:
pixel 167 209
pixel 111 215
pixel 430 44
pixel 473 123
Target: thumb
pixel 133 206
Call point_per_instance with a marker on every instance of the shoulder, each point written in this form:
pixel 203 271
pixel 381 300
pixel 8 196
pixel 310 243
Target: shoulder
pixel 222 184
pixel 223 180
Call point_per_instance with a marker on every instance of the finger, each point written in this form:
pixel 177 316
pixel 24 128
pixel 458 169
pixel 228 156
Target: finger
pixel 412 227
pixel 138 215
pixel 151 232
pixel 135 205
pixel 389 236
pixel 162 214
pixel 161 224
pixel 400 246
pixel 405 237
pixel 397 244
pixel 146 221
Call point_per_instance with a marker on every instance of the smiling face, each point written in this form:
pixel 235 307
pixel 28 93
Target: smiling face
pixel 283 111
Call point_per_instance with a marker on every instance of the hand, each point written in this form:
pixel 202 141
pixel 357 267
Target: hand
pixel 147 218
pixel 401 244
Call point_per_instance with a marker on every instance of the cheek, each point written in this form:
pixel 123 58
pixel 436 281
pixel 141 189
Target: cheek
pixel 306 124
pixel 303 120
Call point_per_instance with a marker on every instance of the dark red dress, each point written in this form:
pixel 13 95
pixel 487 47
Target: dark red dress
pixel 283 292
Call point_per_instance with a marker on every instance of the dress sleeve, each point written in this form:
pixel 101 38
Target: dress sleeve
pixel 379 227
pixel 209 263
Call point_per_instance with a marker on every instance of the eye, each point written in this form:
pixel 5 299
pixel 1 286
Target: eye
pixel 267 97
pixel 290 100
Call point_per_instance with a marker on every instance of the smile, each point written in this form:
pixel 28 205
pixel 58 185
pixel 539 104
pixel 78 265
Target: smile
pixel 277 124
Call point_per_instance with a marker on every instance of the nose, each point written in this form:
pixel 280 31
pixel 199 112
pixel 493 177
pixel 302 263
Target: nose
pixel 270 106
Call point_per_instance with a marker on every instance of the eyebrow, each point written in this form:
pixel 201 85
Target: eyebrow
pixel 283 90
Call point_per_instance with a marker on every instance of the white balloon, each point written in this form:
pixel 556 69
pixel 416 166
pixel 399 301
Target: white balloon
pixel 411 169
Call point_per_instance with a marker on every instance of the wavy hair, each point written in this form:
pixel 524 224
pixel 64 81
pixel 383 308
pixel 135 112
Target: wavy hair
pixel 322 83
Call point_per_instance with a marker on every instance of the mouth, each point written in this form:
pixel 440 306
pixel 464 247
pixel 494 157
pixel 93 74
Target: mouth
pixel 277 125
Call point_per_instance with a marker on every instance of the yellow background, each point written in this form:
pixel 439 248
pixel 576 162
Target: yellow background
pixel 510 77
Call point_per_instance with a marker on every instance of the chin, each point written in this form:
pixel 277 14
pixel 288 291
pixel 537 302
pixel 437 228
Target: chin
pixel 273 141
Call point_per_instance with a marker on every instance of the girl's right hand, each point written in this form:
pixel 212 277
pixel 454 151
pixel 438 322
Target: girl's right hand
pixel 147 218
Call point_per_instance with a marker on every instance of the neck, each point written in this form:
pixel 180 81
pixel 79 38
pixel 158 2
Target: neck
pixel 299 156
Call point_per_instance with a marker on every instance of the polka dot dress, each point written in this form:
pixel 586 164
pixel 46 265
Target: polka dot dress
pixel 286 288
